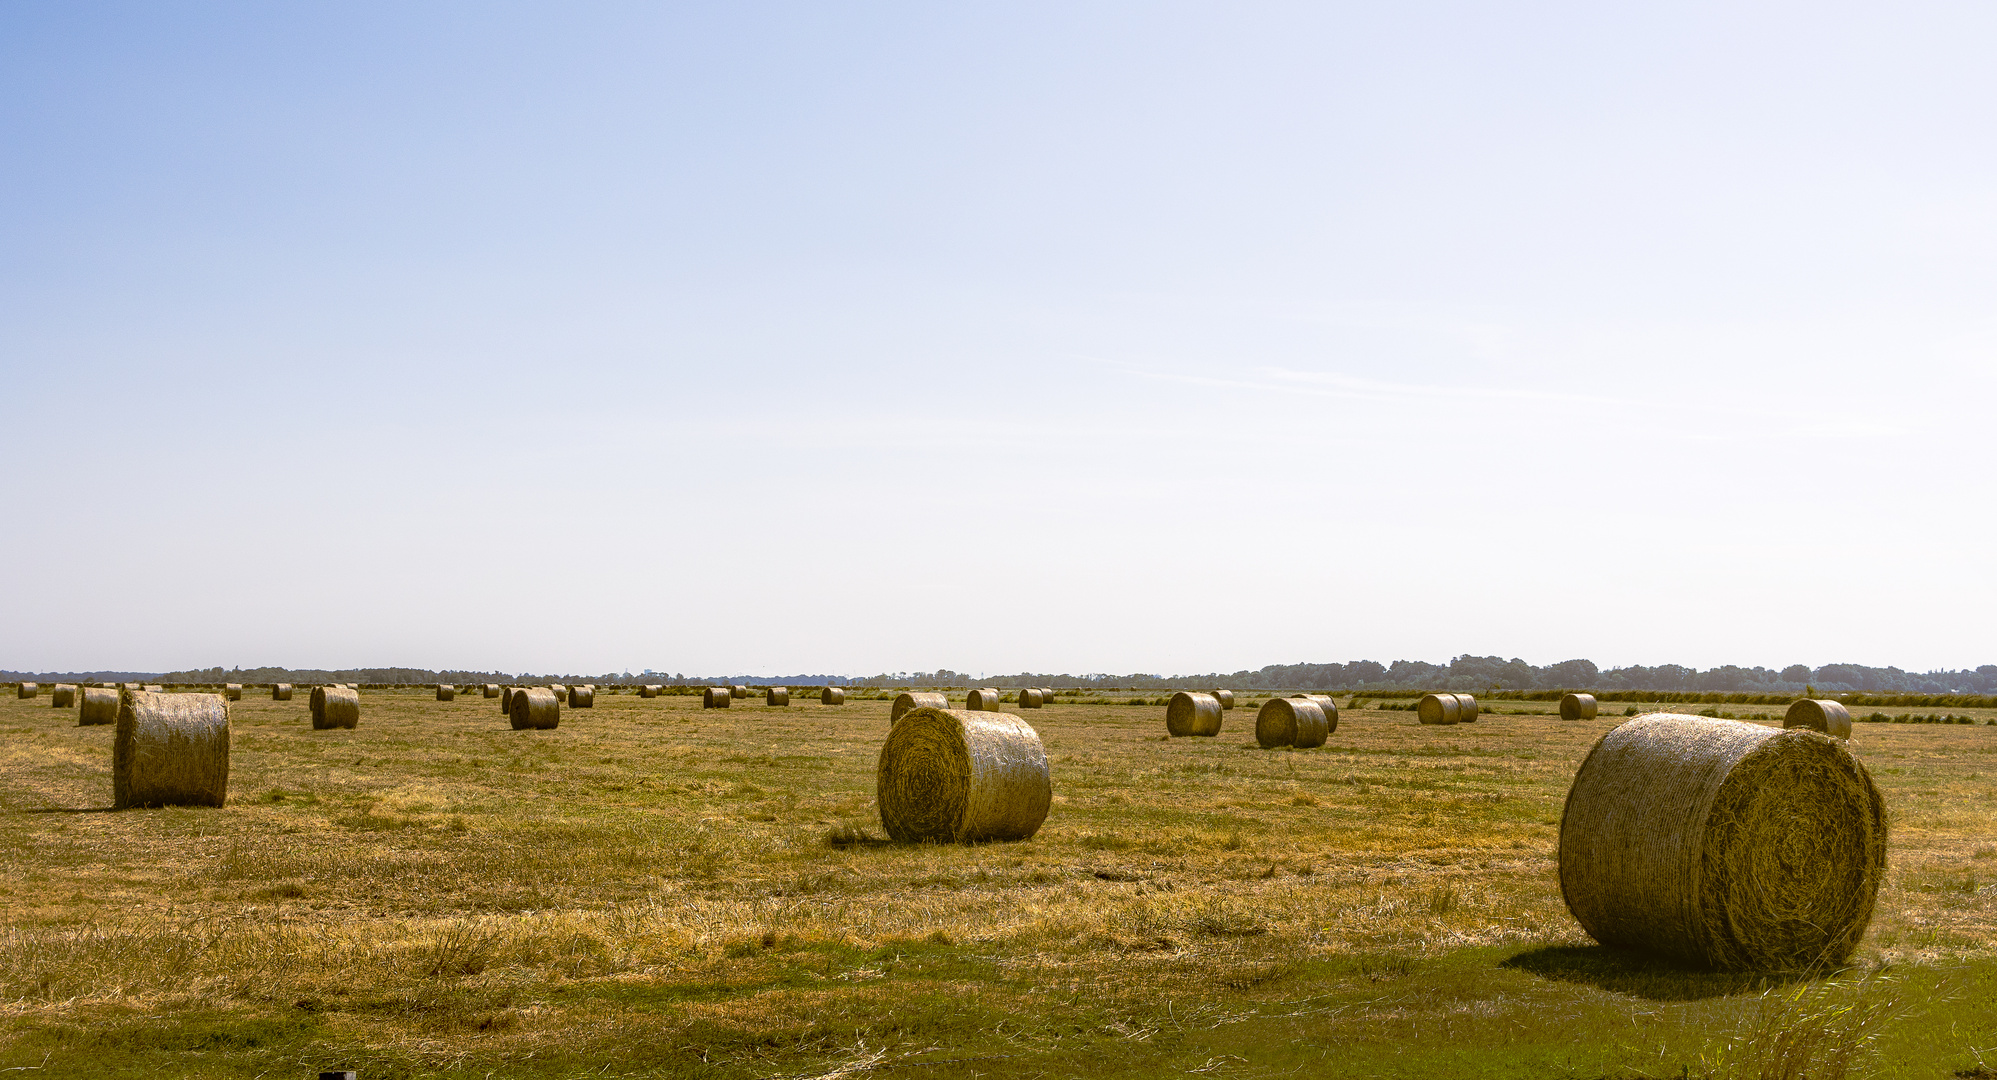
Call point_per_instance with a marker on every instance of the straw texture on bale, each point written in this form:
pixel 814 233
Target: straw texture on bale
pixel 776 695
pixel 1192 714
pixel 1723 845
pixel 1030 699
pixel 446 692
pixel 738 691
pixel 1297 722
pixel 1439 709
pixel 1578 707
pixel 490 689
pixel 716 697
pixel 905 702
pixel 1829 717
pixel 335 707
pixel 29 690
pixel 170 750
pixel 63 696
pixel 832 695
pixel 153 688
pixel 582 697
pixel 983 699
pixel 1225 697
pixel 130 686
pixel 506 699
pixel 100 706
pixel 962 776
pixel 649 690
pixel 535 708
pixel 280 691
pixel 233 691
pixel 1466 709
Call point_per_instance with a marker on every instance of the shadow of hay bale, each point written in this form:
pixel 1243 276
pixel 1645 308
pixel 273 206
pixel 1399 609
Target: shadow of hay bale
pixel 1622 971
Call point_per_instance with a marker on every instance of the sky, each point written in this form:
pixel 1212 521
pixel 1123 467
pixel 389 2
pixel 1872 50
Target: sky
pixel 1064 337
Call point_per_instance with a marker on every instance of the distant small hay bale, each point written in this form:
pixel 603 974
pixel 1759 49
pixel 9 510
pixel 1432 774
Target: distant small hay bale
pixel 132 686
pixel 1439 709
pixel 1578 707
pixel 1328 707
pixel 1722 844
pixel 446 692
pixel 153 688
pixel 777 695
pixel 582 697
pixel 63 696
pixel 171 750
pixel 335 707
pixel 491 689
pixel 649 690
pixel 535 708
pixel 1466 709
pixel 233 691
pixel 28 690
pixel 1046 696
pixel 903 703
pixel 1193 714
pixel 1297 722
pixel 983 699
pixel 561 693
pixel 716 697
pixel 506 699
pixel 832 695
pixel 1225 697
pixel 1030 698
pixel 962 776
pixel 100 706
pixel 738 692
pixel 1819 714
pixel 280 691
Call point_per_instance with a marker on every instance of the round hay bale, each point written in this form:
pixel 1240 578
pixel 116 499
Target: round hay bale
pixel 335 707
pixel 1225 697
pixel 649 690
pixel 132 686
pixel 1298 722
pixel 1466 709
pixel 1193 714
pixel 716 697
pixel 446 692
pixel 535 708
pixel 983 699
pixel 1723 845
pixel 506 700
pixel 280 691
pixel 962 776
pixel 1438 709
pixel 233 691
pixel 1829 717
pixel 1030 698
pixel 903 703
pixel 1046 696
pixel 738 692
pixel 29 690
pixel 776 695
pixel 1578 707
pixel 582 697
pixel 490 689
pixel 832 695
pixel 561 693
pixel 170 750
pixel 63 696
pixel 100 706
pixel 152 688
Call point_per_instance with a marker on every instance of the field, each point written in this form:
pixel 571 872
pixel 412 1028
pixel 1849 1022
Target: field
pixel 653 889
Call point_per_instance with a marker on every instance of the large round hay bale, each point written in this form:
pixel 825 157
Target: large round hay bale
pixel 490 689
pixel 1466 709
pixel 1829 717
pixel 776 695
pixel 63 696
pixel 983 699
pixel 832 695
pixel 716 697
pixel 1722 844
pixel 232 691
pixel 582 697
pixel 100 706
pixel 1298 722
pixel 1030 698
pixel 1192 714
pixel 1578 707
pixel 28 690
pixel 1225 697
pixel 738 692
pixel 649 690
pixel 958 775
pixel 280 691
pixel 535 708
pixel 170 750
pixel 446 692
pixel 903 703
pixel 335 707
pixel 1438 709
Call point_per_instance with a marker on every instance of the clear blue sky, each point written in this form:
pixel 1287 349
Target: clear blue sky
pixel 1071 337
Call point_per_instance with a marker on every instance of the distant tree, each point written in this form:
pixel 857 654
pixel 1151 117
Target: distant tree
pixel 1796 673
pixel 1569 673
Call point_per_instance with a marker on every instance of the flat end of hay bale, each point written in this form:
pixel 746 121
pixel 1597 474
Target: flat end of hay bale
pixel 962 776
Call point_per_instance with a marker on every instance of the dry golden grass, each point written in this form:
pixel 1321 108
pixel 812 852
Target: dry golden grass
pixel 437 891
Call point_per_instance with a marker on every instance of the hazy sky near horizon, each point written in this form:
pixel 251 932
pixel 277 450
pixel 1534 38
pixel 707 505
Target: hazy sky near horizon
pixel 799 338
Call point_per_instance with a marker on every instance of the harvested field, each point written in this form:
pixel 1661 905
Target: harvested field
pixel 724 904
